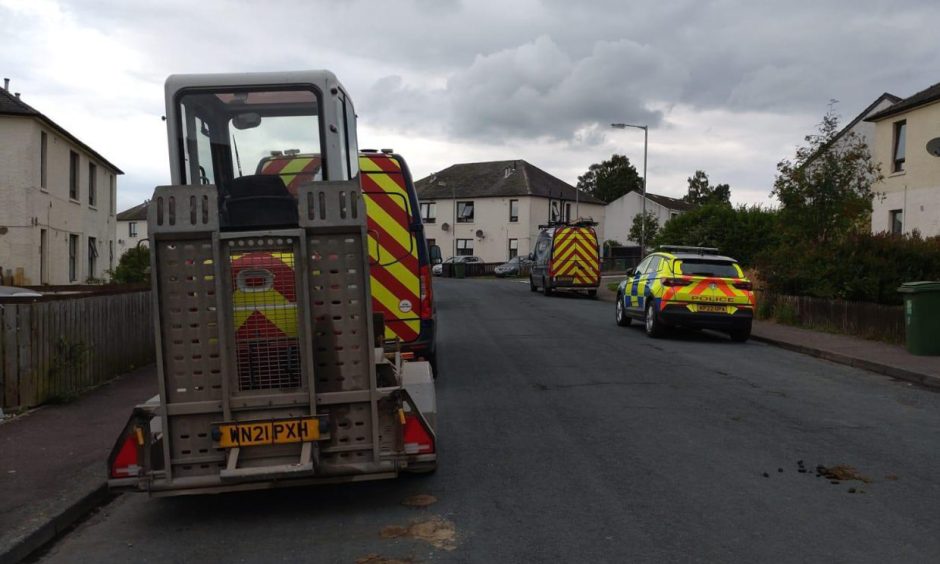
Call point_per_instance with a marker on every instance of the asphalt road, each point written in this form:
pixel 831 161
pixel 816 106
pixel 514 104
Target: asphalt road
pixel 564 438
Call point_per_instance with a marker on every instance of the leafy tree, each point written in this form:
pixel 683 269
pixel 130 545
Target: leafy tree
pixel 652 227
pixel 746 233
pixel 701 192
pixel 134 266
pixel 610 179
pixel 825 192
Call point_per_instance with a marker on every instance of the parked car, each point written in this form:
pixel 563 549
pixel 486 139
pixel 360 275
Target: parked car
pixel 687 287
pixel 438 269
pixel 15 292
pixel 513 267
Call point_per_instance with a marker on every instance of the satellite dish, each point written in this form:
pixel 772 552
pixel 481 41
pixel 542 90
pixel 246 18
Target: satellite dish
pixel 933 146
pixel 445 227
pixel 479 233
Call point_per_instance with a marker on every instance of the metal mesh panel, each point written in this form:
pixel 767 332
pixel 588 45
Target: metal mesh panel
pixel 188 316
pixel 191 446
pixel 349 434
pixel 264 312
pixel 340 327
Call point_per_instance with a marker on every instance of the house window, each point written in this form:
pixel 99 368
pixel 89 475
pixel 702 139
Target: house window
pixel 555 212
pixel 431 242
pixel 429 212
pixel 464 212
pixel 900 133
pixel 73 175
pixel 513 248
pixel 73 258
pixel 92 185
pixel 132 229
pixel 513 211
pixel 464 247
pixel 673 214
pixel 43 157
pixel 897 221
pixel 92 256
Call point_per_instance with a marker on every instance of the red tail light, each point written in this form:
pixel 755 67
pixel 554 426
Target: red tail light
pixel 743 285
pixel 676 282
pixel 417 439
pixel 424 276
pixel 126 463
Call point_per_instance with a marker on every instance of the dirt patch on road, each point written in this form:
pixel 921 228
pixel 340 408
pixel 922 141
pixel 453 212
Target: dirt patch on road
pixel 841 472
pixel 419 501
pixel 376 559
pixel 435 531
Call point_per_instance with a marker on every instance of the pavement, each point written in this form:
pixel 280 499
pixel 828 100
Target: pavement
pixel 875 356
pixel 52 467
pixel 563 437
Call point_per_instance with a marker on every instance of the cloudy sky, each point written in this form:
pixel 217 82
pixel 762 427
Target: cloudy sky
pixel 728 86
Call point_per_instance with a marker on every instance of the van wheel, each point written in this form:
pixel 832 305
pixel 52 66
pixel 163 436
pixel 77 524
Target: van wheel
pixel 532 286
pixel 546 289
pixel 741 335
pixel 623 319
pixel 654 327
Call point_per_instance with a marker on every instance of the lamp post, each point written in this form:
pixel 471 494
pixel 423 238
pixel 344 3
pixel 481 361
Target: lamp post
pixel 646 131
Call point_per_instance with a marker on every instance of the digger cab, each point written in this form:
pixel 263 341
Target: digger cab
pixel 270 362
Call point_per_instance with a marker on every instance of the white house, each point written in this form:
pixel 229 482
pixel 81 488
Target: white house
pixel 131 228
pixel 499 207
pixel 910 192
pixel 57 198
pixel 619 214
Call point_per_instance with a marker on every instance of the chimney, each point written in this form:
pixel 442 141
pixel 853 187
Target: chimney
pixel 6 83
pixel 17 94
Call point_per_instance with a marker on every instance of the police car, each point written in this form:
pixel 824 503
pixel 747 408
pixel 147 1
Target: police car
pixel 687 287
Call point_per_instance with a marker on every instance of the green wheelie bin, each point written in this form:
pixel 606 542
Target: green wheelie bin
pixel 922 317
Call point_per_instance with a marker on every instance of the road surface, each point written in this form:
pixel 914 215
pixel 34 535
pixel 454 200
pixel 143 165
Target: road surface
pixel 564 438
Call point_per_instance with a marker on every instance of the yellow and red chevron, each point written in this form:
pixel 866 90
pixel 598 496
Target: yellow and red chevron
pixel 575 254
pixel 266 312
pixel 392 248
pixel 294 170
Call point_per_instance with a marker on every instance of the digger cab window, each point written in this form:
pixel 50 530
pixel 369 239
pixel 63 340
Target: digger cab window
pixel 229 133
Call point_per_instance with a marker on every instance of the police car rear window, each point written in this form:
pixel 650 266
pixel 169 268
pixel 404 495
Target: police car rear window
pixel 693 267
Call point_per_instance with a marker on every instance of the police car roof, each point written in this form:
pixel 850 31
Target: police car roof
pixel 697 256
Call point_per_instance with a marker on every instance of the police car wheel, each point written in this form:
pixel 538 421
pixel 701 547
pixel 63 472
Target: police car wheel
pixel 741 335
pixel 623 319
pixel 592 294
pixel 654 327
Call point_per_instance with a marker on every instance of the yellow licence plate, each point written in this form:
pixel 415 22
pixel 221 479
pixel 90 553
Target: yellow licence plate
pixel 712 309
pixel 276 432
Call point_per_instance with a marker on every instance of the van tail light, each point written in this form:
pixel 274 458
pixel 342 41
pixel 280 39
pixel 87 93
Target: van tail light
pixel 125 460
pixel 417 439
pixel 424 276
pixel 675 282
pixel 743 285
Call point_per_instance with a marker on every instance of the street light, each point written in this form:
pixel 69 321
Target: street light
pixel 646 131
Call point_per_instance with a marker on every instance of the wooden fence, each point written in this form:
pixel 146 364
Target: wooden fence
pixel 52 349
pixel 861 319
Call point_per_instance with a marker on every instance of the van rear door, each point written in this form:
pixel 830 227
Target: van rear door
pixel 393 247
pixel 575 260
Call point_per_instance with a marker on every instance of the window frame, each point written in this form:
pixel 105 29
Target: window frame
pixel 896 217
pixel 132 229
pixel 92 244
pixel 899 145
pixel 461 217
pixel 73 243
pixel 74 165
pixel 513 251
pixel 513 218
pixel 468 246
pixel 92 184
pixel 425 209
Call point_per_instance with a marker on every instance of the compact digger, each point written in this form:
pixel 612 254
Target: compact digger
pixel 272 369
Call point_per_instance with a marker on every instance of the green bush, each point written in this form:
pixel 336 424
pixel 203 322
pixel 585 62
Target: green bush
pixel 743 233
pixel 134 267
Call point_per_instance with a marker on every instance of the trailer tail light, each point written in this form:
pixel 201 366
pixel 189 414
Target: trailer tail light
pixel 126 462
pixel 417 439
pixel 426 294
pixel 675 282
pixel 743 285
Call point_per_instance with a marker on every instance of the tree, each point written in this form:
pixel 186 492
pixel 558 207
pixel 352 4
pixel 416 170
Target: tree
pixel 134 267
pixel 701 192
pixel 745 233
pixel 611 179
pixel 825 192
pixel 652 227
